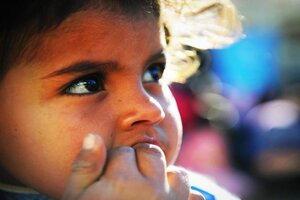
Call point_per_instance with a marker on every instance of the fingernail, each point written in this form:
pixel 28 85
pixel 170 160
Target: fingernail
pixel 89 142
pixel 149 148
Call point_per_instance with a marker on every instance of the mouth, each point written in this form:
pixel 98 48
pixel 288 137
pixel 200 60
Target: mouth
pixel 149 139
pixel 154 136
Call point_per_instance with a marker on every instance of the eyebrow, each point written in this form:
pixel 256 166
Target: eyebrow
pixel 83 66
pixel 86 66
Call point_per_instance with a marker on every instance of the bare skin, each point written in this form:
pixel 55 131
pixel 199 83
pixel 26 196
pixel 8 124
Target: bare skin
pixel 95 73
pixel 147 178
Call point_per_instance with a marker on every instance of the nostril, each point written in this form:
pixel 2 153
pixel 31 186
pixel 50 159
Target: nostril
pixel 140 122
pixel 150 121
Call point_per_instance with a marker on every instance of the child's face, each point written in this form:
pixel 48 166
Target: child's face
pixel 93 74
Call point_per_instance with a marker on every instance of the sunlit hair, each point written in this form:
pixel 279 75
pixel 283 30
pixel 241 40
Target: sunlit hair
pixel 191 25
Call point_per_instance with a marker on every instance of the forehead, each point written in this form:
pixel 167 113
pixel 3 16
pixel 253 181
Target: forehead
pixel 99 36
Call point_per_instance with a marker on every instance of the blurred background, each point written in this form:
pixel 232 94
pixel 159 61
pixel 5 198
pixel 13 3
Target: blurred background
pixel 241 110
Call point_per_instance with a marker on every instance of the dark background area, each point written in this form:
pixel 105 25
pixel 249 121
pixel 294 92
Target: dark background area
pixel 241 110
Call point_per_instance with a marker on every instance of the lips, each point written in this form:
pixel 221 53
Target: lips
pixel 144 138
pixel 155 136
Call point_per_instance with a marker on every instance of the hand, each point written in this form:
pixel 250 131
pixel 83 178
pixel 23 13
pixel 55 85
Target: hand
pixel 137 172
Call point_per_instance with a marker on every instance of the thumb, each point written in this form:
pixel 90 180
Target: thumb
pixel 87 167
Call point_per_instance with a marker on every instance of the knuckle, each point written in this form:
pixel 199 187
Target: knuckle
pixel 84 166
pixel 179 182
pixel 181 176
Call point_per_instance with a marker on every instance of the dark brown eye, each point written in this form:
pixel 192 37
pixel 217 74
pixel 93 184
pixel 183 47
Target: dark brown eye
pixel 89 84
pixel 154 72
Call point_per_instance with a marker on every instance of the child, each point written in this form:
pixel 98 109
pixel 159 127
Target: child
pixel 85 112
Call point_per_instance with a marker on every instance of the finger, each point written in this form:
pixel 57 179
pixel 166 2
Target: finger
pixel 87 166
pixel 194 195
pixel 178 182
pixel 121 163
pixel 151 161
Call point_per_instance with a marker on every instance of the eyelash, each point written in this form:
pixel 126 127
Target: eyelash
pixel 93 83
pixel 157 72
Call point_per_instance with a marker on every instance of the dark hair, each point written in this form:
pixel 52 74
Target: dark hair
pixel 21 21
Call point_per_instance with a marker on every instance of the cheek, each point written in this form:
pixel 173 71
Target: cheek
pixel 44 141
pixel 172 125
pixel 33 148
pixel 43 151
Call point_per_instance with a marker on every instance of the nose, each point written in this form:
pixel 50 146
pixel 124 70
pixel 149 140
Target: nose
pixel 142 109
